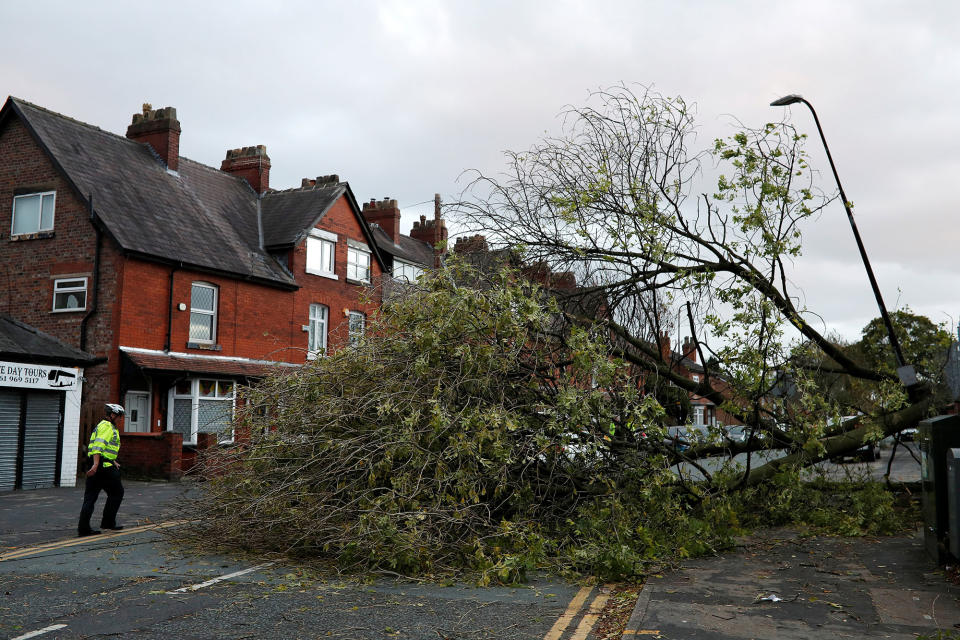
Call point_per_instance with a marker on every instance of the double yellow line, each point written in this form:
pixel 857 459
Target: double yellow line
pixel 72 542
pixel 573 610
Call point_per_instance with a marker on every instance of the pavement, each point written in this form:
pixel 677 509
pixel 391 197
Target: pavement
pixel 779 584
pixel 43 515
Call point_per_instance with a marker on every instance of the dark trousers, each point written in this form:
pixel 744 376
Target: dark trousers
pixel 106 479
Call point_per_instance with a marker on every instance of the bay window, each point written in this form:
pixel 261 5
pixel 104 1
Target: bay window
pixel 199 405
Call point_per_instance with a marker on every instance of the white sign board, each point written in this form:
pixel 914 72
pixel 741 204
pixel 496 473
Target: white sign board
pixel 38 376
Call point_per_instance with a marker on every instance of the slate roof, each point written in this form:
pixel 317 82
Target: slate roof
pixel 151 360
pixel 198 217
pixel 288 215
pixel 406 248
pixel 19 342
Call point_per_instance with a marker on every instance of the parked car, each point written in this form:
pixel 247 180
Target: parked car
pixel 909 434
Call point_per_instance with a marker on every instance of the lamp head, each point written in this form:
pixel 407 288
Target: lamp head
pixel 793 98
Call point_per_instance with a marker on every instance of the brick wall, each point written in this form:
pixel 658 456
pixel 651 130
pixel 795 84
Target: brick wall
pixel 253 321
pixel 29 266
pixel 158 455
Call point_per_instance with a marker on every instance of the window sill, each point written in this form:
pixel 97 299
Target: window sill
pixel 330 276
pixel 37 235
pixel 68 310
pixel 204 347
pixel 362 283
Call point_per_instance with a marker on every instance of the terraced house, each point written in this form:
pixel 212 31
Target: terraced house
pixel 134 275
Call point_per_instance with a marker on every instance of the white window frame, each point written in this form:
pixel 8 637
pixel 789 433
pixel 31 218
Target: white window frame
pixel 207 312
pixel 352 336
pixel 60 287
pixel 355 270
pixel 41 195
pixel 699 414
pixel 196 399
pixel 325 243
pixel 414 270
pixel 319 321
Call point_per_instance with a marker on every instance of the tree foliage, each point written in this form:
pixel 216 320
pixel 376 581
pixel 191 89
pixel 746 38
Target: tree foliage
pixel 470 430
pixel 622 199
pixel 924 344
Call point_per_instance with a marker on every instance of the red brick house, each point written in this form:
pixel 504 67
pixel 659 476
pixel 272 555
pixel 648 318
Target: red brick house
pixel 704 411
pixel 171 281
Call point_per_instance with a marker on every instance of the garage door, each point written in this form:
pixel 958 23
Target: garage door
pixel 9 437
pixel 41 440
pixel 30 439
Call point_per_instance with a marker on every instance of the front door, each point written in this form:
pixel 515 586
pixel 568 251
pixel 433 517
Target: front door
pixel 138 412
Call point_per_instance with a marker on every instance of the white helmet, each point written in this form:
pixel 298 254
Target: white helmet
pixel 113 408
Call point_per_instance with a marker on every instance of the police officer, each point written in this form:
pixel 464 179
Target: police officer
pixel 104 473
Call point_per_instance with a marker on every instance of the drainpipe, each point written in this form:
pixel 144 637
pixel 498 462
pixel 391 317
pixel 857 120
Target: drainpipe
pixel 166 345
pixel 96 276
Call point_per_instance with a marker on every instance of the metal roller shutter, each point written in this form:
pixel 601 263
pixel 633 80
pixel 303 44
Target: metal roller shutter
pixel 9 437
pixel 41 439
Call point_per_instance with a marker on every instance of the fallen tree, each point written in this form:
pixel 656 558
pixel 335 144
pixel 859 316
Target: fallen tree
pixel 619 200
pixel 488 424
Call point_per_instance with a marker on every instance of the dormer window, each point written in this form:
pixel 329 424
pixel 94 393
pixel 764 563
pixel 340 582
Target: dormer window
pixel 358 262
pixel 33 213
pixel 321 252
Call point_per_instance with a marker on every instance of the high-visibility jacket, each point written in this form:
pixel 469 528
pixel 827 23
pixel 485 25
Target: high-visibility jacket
pixel 105 440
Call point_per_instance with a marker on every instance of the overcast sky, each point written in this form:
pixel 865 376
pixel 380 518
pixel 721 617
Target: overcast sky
pixel 400 97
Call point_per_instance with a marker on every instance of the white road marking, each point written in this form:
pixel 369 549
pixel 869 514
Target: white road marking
pixel 194 587
pixel 39 632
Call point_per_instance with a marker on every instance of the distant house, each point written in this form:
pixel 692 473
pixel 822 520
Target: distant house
pixel 704 411
pixel 406 258
pixel 164 283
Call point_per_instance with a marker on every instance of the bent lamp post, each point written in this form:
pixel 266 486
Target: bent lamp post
pixel 906 372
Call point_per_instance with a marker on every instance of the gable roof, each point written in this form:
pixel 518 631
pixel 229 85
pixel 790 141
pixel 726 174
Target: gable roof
pixel 288 215
pixel 198 217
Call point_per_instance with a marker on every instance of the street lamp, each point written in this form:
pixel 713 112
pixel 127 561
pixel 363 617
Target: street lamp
pixel 906 372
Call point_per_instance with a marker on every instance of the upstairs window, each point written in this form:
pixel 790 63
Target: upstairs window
pixel 317 331
pixel 356 326
pixel 406 271
pixel 33 213
pixel 321 252
pixel 358 263
pixel 70 294
pixel 203 313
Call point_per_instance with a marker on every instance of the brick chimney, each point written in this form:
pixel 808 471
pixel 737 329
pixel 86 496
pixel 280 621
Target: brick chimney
pixel 689 348
pixel 473 244
pixel 385 213
pixel 250 163
pixel 433 232
pixel 665 354
pixel 320 181
pixel 160 129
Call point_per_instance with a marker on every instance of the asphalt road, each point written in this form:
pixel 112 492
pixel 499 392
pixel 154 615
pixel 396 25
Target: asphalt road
pixel 140 583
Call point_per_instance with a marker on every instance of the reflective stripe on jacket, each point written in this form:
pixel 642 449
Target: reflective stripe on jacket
pixel 105 440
